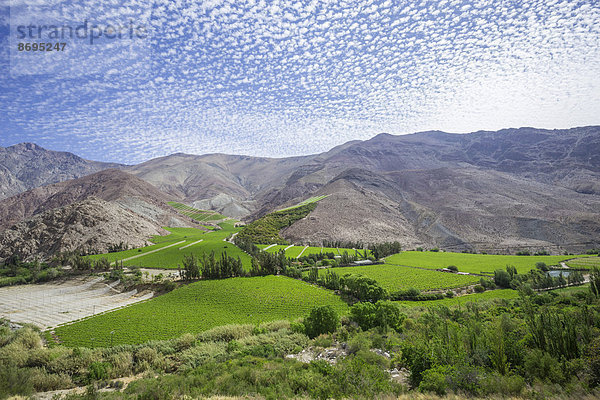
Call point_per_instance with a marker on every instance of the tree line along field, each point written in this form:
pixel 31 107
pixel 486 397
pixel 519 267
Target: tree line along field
pixel 181 242
pixel 194 213
pixel 471 263
pixel 506 294
pixel 201 306
pixel 393 277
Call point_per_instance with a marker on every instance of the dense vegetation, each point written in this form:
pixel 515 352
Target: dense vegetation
pixel 265 230
pixel 534 346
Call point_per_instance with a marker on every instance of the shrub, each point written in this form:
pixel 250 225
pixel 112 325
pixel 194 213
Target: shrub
pixel 449 294
pixel 321 320
pixel 453 268
pixel 479 289
pixel 502 278
pixel 434 380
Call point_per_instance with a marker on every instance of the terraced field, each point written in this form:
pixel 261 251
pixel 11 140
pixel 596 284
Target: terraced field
pixel 472 263
pixel 305 202
pixel 584 262
pixel 170 250
pixel 201 306
pixel 394 277
pixel 194 213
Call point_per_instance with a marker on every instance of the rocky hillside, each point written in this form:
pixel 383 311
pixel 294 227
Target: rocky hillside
pixel 90 224
pixel 104 208
pixel 491 191
pixel 25 166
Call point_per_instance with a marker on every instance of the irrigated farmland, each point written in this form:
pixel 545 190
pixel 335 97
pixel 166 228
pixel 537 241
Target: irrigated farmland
pixel 393 277
pixel 201 306
pixel 171 249
pixel 472 263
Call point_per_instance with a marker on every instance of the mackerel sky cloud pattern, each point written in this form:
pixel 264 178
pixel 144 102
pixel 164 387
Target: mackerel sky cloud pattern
pixel 283 78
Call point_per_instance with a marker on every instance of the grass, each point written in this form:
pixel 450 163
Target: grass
pixel 461 300
pixel 201 306
pixel 472 263
pixel 171 257
pixel 194 213
pixel 394 278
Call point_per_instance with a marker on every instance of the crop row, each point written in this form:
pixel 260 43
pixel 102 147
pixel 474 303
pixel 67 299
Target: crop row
pixel 200 306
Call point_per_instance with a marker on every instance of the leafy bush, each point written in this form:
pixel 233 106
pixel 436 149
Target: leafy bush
pixel 479 289
pixel 383 314
pixel 321 320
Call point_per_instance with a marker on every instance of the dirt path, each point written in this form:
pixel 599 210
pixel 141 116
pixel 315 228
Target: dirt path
pixel 191 244
pixel 302 252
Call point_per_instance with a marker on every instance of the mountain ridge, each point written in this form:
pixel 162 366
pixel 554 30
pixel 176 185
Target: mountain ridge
pixel 514 187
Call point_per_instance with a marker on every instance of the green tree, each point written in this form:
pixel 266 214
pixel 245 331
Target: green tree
pixel 190 267
pixel 502 278
pixel 321 320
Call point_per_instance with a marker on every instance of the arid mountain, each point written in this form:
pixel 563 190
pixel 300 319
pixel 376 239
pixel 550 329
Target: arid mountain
pixel 26 166
pixel 101 201
pixel 89 224
pixel 110 185
pixel 207 178
pixel 485 190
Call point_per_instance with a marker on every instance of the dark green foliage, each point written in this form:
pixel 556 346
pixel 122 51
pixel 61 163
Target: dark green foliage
pixel 413 294
pixel 383 314
pixel 224 267
pixel 321 320
pixel 362 288
pixel 502 278
pixel 190 267
pixel 265 230
pixel 453 268
pixel 380 250
pixel 595 282
pixel 479 289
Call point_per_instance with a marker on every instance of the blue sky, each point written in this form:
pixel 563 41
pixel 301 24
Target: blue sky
pixel 281 78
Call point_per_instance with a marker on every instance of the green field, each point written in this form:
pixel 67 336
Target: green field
pixel 461 300
pixel 472 263
pixel 393 277
pixel 201 306
pixel 171 257
pixel 294 251
pixel 584 262
pixel 194 213
pixel 305 202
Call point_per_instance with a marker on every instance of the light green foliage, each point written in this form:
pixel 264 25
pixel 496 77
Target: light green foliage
pixel 305 202
pixel 584 262
pixel 393 277
pixel 201 306
pixel 172 257
pixel 194 213
pixel 472 263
